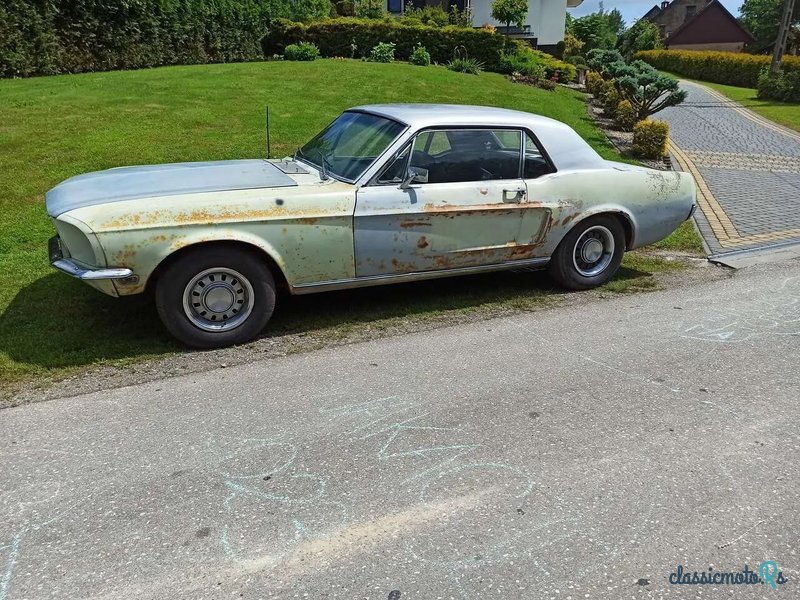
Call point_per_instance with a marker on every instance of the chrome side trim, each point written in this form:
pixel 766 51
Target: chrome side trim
pixel 357 282
pixel 70 267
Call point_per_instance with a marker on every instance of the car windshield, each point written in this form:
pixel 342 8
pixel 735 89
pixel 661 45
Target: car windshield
pixel 349 145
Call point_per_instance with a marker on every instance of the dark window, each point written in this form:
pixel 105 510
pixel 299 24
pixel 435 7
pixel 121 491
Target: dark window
pixel 690 11
pixel 536 164
pixel 459 155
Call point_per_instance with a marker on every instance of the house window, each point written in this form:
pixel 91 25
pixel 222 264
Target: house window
pixel 690 11
pixel 395 6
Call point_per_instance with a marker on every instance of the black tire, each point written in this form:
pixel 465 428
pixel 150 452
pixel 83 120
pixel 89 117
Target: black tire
pixel 252 306
pixel 563 266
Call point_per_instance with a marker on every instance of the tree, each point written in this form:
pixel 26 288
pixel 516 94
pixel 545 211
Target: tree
pixel 594 31
pixel 643 35
pixel 510 11
pixel 601 60
pixel 762 18
pixel 615 22
pixel 648 90
pixel 572 45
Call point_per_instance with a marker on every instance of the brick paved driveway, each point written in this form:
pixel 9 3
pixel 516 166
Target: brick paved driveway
pixel 747 169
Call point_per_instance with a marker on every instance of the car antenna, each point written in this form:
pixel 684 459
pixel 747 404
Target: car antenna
pixel 266 115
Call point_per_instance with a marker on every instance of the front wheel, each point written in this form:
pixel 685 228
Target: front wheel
pixel 590 254
pixel 215 297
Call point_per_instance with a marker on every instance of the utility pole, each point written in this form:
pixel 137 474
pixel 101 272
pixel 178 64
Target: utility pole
pixel 783 34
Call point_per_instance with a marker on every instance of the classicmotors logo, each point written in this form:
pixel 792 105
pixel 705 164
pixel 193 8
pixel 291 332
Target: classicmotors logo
pixel 767 573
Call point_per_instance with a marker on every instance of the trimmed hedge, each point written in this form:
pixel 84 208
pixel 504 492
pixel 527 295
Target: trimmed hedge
pixel 41 37
pixel 335 36
pixel 650 139
pixel 729 68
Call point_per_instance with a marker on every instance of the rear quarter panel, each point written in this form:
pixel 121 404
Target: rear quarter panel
pixel 654 202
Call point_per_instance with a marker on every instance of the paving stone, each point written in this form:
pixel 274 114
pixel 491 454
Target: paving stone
pixel 751 168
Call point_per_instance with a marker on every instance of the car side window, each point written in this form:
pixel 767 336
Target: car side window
pixel 536 164
pixel 396 170
pixel 463 155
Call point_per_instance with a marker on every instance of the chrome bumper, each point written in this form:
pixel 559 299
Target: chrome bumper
pixel 75 269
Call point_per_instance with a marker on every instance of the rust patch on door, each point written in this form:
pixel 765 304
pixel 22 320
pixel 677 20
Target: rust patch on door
pixel 422 242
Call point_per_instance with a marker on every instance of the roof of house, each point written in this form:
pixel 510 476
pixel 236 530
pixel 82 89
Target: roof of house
pixel 693 31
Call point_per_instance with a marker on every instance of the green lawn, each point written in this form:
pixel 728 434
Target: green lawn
pixel 54 127
pixel 784 113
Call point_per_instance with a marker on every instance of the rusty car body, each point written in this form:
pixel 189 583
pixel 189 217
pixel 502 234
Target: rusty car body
pixel 386 193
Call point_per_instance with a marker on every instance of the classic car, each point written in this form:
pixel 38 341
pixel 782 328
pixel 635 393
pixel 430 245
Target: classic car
pixel 384 194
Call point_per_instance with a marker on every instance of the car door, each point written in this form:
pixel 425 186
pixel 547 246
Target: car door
pixel 468 213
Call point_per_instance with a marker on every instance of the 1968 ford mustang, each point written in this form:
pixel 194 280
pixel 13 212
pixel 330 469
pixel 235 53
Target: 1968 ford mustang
pixel 384 194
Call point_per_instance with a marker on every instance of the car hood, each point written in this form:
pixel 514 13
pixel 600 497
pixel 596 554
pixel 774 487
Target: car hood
pixel 128 183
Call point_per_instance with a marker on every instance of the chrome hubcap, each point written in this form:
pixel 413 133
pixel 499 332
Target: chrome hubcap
pixel 593 251
pixel 218 299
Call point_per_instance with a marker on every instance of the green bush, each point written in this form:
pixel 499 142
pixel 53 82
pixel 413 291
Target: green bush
pixel 40 37
pixel 420 56
pixel 369 9
pixel 625 116
pixel 611 100
pixel 465 65
pixel 783 86
pixel 435 16
pixel 334 37
pixel 594 83
pixel 577 60
pixel 729 68
pixel 382 52
pixel 650 139
pixel 529 62
pixel 302 51
pixel 345 8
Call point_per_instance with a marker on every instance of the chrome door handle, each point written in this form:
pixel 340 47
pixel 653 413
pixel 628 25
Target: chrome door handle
pixel 514 195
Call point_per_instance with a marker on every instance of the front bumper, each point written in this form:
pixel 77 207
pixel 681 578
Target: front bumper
pixel 78 270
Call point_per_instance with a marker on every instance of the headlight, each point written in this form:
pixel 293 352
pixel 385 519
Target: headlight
pixel 75 243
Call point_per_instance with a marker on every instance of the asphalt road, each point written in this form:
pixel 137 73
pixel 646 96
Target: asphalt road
pixel 581 452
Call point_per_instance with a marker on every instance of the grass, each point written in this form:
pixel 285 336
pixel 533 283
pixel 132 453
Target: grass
pixel 783 113
pixel 54 127
pixel 684 239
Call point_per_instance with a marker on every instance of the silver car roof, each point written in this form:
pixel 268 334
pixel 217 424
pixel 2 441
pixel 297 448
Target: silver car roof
pixel 566 148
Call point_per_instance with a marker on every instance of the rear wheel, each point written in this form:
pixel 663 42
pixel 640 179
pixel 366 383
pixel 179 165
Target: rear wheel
pixel 214 297
pixel 590 254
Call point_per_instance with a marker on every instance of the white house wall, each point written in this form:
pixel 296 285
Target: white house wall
pixel 545 17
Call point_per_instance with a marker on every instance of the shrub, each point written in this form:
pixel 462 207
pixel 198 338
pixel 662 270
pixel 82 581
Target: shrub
pixel 434 16
pixel 420 56
pixel 599 60
pixel 369 9
pixel 577 60
pixel 594 83
pixel 783 86
pixel 334 37
pixel 460 18
pixel 44 37
pixel 547 84
pixel 625 116
pixel 302 51
pixel 465 65
pixel 650 139
pixel 648 90
pixel 345 8
pixel 382 53
pixel 729 68
pixel 611 100
pixel 530 62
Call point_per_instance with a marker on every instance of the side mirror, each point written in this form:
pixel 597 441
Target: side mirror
pixel 414 175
